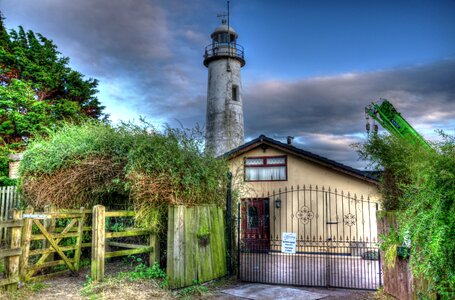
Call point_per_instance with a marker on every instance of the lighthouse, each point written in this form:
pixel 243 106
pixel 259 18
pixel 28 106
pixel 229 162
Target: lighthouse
pixel 224 118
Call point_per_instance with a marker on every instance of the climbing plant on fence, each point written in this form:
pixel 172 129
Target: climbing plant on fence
pixel 423 189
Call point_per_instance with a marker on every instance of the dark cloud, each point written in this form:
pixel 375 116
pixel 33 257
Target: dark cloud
pixel 327 113
pixel 151 50
pixel 148 57
pixel 335 105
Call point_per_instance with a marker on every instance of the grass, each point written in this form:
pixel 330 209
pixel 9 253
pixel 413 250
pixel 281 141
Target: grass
pixel 26 292
pixel 190 292
pixel 142 279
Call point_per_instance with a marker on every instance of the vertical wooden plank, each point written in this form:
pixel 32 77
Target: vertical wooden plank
pixel 179 246
pixel 7 208
pixel 190 246
pixel 155 253
pixel 170 243
pixel 49 224
pixel 205 257
pixel 212 219
pixel 26 234
pixel 2 207
pixel 98 242
pixel 222 233
pixel 13 261
pixel 176 246
pixel 80 234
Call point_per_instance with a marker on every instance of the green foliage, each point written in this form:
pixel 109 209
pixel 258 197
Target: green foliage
pixel 195 290
pixel 96 161
pixel 4 167
pixel 389 244
pixel 37 286
pixel 38 88
pixel 424 189
pixel 1 266
pixel 143 272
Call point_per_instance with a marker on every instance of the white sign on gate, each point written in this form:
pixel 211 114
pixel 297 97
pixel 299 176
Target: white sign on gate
pixel 288 244
pixel 35 216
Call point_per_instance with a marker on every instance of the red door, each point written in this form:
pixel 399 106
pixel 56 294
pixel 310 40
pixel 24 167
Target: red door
pixel 255 224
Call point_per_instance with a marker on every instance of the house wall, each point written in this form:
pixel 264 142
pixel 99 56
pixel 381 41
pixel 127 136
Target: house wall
pixel 300 172
pixel 333 197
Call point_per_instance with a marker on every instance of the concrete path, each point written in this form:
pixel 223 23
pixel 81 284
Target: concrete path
pixel 271 292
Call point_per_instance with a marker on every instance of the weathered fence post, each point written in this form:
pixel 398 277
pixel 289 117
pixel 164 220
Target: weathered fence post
pixel 155 253
pixel 49 224
pixel 26 234
pixel 13 261
pixel 98 242
pixel 80 236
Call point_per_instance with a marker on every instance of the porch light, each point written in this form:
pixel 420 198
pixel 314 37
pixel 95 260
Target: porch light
pixel 278 203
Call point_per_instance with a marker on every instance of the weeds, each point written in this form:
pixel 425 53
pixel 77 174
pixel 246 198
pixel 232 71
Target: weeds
pixel 195 290
pixel 141 274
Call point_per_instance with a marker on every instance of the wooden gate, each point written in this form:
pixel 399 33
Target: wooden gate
pixel 38 256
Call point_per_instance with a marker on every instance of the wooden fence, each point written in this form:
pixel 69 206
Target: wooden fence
pixel 10 255
pixel 36 243
pixel 9 199
pixel 39 246
pixel 196 246
pixel 100 239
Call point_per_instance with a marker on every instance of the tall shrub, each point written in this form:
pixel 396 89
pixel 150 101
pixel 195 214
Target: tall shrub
pixel 423 189
pixel 91 163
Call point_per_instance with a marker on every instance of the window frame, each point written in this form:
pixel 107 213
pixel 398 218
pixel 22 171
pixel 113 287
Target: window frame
pixel 265 165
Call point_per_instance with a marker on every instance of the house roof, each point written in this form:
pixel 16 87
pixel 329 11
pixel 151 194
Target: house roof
pixel 264 140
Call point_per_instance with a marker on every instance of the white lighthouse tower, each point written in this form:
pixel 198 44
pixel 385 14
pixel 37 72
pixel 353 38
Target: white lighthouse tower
pixel 224 123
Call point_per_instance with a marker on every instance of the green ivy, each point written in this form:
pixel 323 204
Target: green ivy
pixel 421 184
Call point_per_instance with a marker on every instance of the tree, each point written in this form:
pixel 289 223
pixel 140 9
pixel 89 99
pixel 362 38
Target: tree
pixel 38 89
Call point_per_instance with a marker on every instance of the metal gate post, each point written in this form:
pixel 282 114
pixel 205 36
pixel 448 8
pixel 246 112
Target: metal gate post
pixel 379 253
pixel 228 224
pixel 238 240
pixel 327 227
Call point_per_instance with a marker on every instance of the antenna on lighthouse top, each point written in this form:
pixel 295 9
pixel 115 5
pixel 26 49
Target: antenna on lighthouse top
pixel 223 15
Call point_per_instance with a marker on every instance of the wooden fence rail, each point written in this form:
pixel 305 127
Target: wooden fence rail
pixel 9 199
pixel 10 256
pixel 100 241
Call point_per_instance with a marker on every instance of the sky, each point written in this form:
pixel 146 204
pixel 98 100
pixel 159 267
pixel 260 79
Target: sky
pixel 311 66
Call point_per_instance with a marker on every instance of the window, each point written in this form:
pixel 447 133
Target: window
pixel 222 37
pixel 272 168
pixel 235 92
pixel 253 218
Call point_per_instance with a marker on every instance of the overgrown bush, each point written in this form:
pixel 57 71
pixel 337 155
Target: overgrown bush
pixel 423 189
pixel 96 163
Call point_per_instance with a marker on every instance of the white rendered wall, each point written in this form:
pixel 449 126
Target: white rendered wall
pixel 224 124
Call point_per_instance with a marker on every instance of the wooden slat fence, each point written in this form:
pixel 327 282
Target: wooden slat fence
pixel 196 246
pixel 9 199
pixel 10 255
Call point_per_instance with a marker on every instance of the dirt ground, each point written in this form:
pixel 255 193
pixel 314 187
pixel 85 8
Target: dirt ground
pixel 72 288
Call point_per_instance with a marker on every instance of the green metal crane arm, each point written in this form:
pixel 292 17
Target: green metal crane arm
pixel 393 122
